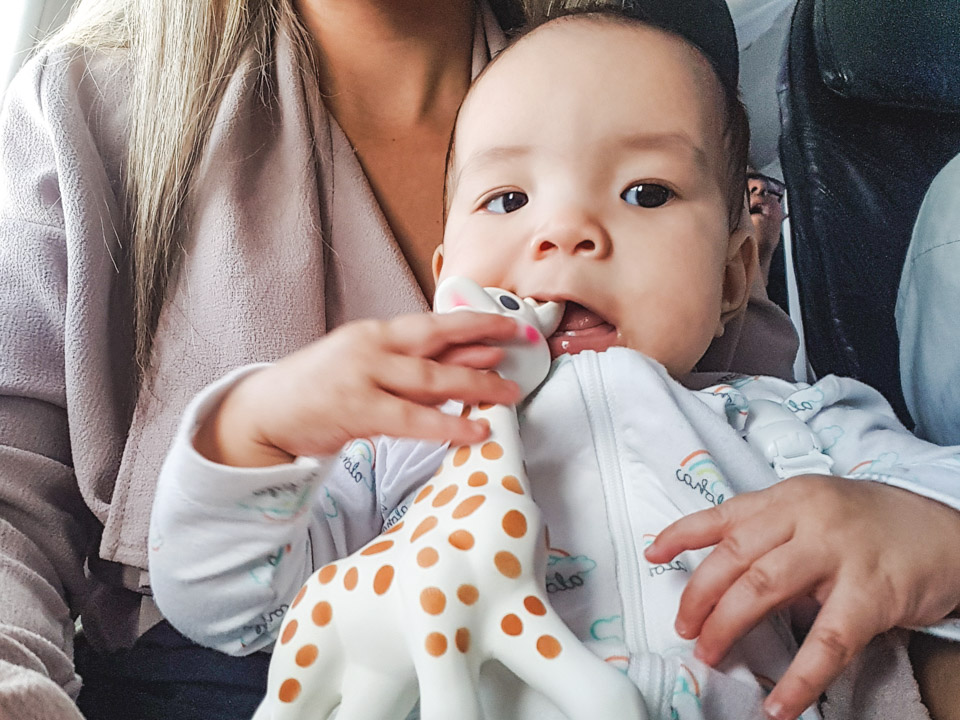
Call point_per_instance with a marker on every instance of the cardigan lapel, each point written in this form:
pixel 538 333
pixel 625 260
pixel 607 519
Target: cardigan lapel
pixel 285 241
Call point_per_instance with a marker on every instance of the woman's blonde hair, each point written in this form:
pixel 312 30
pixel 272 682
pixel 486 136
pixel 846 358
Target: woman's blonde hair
pixel 182 54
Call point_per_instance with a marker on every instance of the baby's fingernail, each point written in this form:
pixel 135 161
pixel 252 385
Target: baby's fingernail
pixel 682 630
pixel 775 711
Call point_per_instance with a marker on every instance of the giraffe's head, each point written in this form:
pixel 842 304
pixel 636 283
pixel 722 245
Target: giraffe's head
pixel 528 358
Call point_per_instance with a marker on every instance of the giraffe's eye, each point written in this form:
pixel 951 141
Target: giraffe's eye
pixel 510 303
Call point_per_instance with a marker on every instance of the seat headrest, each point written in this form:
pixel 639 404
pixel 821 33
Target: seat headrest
pixel 903 53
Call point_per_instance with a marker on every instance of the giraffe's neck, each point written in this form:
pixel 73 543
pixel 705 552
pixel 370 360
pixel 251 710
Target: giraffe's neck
pixel 498 457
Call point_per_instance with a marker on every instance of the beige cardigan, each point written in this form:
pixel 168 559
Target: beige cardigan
pixel 286 241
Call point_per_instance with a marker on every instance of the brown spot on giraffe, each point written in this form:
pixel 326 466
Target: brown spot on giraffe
pixel 322 613
pixel 491 450
pixel 436 644
pixel 350 578
pixel 511 625
pixel 428 524
pixel 377 548
pixel 432 600
pixel 307 655
pixel 477 479
pixel 383 579
pixel 512 484
pixel 461 456
pixel 461 539
pixel 427 489
pixel 515 524
pixel 548 646
pixel 326 574
pixel 468 506
pixel 445 496
pixel 462 639
pixel 534 605
pixel 289 691
pixel 299 597
pixel 468 594
pixel 507 564
pixel 288 632
pixel 427 557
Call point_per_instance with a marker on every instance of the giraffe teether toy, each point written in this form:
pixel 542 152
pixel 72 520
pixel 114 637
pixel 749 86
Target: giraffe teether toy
pixel 459 581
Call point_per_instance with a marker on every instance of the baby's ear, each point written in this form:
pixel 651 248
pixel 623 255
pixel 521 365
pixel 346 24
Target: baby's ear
pixel 437 262
pixel 740 271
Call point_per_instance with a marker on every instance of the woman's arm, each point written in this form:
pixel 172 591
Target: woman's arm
pixel 46 528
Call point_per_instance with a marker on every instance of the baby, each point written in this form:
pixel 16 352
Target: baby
pixel 599 162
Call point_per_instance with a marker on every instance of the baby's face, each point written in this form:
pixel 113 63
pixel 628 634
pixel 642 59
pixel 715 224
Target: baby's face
pixel 589 168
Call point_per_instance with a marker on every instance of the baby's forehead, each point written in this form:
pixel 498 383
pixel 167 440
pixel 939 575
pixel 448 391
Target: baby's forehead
pixel 599 64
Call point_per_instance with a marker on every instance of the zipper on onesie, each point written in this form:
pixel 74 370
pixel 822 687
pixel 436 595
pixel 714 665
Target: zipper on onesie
pixel 626 553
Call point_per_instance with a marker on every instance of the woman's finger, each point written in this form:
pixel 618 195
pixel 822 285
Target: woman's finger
pixel 734 555
pixel 767 584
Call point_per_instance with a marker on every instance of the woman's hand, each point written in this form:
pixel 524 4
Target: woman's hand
pixel 872 555
pixel 365 378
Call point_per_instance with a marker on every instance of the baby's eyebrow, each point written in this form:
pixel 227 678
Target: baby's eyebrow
pixel 664 142
pixel 489 156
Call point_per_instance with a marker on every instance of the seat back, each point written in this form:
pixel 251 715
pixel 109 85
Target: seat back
pixel 870 107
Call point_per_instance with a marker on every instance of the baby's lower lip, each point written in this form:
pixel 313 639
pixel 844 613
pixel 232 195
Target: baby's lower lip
pixel 570 342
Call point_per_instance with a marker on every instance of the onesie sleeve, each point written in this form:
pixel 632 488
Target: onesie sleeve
pixel 230 547
pixel 859 431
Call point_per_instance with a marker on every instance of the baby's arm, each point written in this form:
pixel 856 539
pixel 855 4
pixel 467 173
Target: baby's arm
pixel 873 555
pixel 229 547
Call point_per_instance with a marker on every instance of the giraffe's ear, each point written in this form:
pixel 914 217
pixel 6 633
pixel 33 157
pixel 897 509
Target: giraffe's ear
pixel 458 292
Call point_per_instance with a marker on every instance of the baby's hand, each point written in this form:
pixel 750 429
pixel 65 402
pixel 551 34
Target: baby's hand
pixel 366 378
pixel 872 555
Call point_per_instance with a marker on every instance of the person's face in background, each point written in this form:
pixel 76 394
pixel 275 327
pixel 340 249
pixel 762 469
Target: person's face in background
pixel 766 211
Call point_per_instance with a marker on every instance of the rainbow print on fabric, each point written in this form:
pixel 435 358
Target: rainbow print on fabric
pixel 699 472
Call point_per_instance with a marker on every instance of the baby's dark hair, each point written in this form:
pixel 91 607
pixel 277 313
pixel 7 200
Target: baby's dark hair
pixel 736 127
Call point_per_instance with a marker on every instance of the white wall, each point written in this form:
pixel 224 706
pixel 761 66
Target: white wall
pixel 22 24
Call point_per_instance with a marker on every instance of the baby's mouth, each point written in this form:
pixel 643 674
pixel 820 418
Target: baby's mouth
pixel 581 329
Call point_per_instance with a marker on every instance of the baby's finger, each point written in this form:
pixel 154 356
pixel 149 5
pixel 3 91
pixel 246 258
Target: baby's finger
pixel 428 382
pixel 840 631
pixel 737 554
pixel 768 583
pixel 429 335
pixel 692 532
pixel 403 418
pixel 480 357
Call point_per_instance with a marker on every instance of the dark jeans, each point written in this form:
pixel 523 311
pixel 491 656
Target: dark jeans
pixel 165 676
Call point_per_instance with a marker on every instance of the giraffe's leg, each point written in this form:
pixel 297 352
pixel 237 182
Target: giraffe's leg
pixel 551 659
pixel 372 695
pixel 448 688
pixel 302 692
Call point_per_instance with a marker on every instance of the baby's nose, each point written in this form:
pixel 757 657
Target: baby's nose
pixel 574 232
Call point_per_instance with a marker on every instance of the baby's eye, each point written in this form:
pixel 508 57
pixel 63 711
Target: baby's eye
pixel 647 195
pixel 506 202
